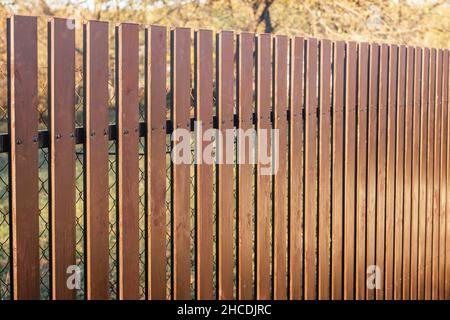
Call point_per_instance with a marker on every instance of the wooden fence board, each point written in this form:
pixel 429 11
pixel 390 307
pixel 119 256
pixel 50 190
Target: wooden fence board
pixel 416 173
pixel 225 188
pixel 446 105
pixel 181 98
pixel 390 173
pixel 280 85
pixel 372 164
pixel 324 202
pixel 423 167
pixel 295 169
pixel 361 176
pixel 310 219
pixel 381 167
pixel 263 181
pixel 96 161
pixel 337 205
pixel 23 130
pixel 62 158
pixel 407 206
pixel 430 177
pixel 127 79
pixel 205 175
pixel 351 63
pixel 443 177
pixel 155 97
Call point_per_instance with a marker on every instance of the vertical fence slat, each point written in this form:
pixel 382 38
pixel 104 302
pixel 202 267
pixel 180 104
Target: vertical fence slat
pixel 390 173
pixel 399 174
pixel 280 170
pixel 372 163
pixel 23 126
pixel 204 184
pixel 127 60
pixel 381 167
pixel 415 173
pixel 310 195
pixel 62 158
pixel 443 176
pixel 155 163
pixel 225 189
pixel 263 186
pixel 245 67
pixel 446 98
pixel 434 99
pixel 363 96
pixel 351 63
pixel 295 169
pixel 96 161
pixel 324 201
pixel 337 170
pixel 423 195
pixel 406 264
pixel 181 101
pixel 430 176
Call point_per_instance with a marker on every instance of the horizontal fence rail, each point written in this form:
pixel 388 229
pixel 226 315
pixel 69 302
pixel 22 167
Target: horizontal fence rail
pixel 328 175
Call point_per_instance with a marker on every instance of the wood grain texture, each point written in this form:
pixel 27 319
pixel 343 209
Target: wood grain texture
pixel 96 161
pixel 263 169
pixel 23 181
pixel 446 105
pixel 416 173
pixel 310 219
pixel 205 175
pixel 381 167
pixel 361 171
pixel 225 187
pixel 155 162
pixel 127 87
pixel 390 173
pixel 181 101
pixel 351 63
pixel 324 200
pixel 280 100
pixel 62 157
pixel 295 170
pixel 423 157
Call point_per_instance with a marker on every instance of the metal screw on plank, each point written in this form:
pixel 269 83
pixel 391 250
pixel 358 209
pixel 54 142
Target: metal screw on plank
pixel 19 141
pixel 58 136
pixel 72 135
pixel 125 131
pixel 35 139
pixel 92 133
pixel 105 132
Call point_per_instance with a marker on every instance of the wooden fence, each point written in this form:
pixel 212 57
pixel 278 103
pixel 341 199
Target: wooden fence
pixel 360 197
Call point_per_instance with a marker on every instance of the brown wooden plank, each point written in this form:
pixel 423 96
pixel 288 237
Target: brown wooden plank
pixel 446 105
pixel 399 174
pixel 181 79
pixel 351 96
pixel 295 169
pixel 437 172
pixel 372 164
pixel 127 37
pixel 430 176
pixel 225 189
pixel 23 126
pixel 62 158
pixel 415 173
pixel 407 205
pixel 204 169
pixel 263 180
pixel 361 176
pixel 155 96
pixel 423 195
pixel 324 202
pixel 381 166
pixel 310 219
pixel 280 167
pixel 337 267
pixel 96 140
pixel 443 175
pixel 390 172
